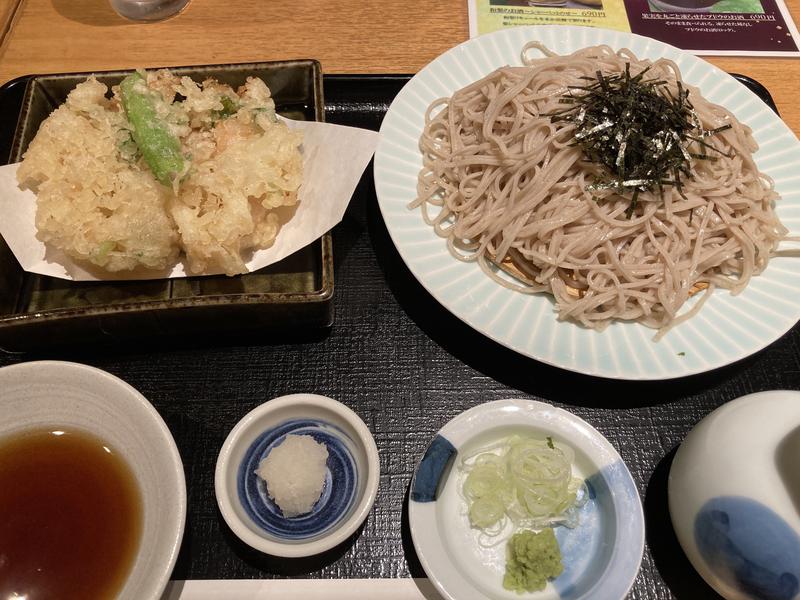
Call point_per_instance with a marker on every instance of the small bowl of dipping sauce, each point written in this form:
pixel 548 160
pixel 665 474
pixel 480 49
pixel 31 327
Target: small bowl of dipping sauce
pixel 92 490
pixel 297 475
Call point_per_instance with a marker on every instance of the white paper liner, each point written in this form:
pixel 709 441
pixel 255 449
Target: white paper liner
pixel 334 157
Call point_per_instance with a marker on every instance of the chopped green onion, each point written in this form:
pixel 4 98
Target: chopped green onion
pixel 521 479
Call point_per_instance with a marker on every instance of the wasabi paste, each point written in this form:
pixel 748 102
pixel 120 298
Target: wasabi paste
pixel 531 559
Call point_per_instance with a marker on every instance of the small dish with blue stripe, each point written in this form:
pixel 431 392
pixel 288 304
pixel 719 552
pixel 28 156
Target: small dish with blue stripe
pixel 601 555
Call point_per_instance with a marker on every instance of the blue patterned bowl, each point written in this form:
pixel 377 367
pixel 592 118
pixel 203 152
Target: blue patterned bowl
pixel 351 480
pixel 734 497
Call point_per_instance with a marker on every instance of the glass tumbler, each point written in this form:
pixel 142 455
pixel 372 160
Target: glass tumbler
pixel 148 10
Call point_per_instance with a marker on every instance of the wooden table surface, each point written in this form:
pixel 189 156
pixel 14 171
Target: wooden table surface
pixel 369 36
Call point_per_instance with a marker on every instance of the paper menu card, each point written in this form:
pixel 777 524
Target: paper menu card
pixel 703 27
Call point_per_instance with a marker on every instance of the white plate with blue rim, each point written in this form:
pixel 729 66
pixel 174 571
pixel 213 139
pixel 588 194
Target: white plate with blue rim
pixel 601 555
pixel 727 329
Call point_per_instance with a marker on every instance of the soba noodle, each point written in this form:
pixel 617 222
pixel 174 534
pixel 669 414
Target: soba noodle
pixel 501 182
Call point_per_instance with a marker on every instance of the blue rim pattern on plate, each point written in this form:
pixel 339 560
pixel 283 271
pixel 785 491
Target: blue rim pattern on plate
pixel 431 469
pixel 612 498
pixel 338 493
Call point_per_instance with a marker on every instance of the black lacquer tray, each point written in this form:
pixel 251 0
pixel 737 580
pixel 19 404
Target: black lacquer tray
pixel 406 366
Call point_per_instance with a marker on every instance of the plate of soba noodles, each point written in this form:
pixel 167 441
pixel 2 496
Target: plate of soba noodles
pixel 595 200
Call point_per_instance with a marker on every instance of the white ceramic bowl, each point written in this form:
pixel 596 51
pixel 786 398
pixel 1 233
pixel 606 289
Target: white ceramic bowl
pixel 351 484
pixel 734 497
pixel 79 397
pixel 601 556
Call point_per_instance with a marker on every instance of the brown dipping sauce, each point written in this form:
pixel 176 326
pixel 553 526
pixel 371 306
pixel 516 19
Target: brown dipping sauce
pixel 70 517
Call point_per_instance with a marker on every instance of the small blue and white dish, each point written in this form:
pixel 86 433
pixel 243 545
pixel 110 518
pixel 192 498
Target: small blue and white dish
pixel 734 497
pixel 601 556
pixel 351 479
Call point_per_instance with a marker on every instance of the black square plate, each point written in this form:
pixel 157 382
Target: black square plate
pixel 39 311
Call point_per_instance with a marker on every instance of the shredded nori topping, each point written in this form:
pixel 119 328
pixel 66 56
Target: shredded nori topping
pixel 638 129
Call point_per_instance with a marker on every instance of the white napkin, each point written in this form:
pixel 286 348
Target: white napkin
pixel 334 157
pixel 305 589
